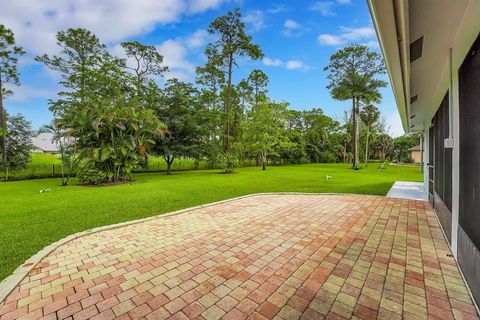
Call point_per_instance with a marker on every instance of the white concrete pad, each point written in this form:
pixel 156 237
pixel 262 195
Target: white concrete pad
pixel 408 190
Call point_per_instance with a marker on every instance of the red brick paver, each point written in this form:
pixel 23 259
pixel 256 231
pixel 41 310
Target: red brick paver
pixel 261 257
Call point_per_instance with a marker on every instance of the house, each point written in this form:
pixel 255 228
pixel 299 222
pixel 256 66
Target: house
pixel 415 154
pixel 44 143
pixel 432 53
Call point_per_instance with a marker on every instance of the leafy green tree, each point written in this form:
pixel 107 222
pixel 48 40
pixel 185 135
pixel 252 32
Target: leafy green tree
pixel 369 116
pixel 146 62
pixel 212 79
pixel 9 53
pixel 353 73
pixel 294 150
pixel 232 43
pixel 19 141
pixel 318 129
pixel 403 143
pixel 264 130
pixel 87 69
pixel 184 116
pixel 384 146
pixel 258 81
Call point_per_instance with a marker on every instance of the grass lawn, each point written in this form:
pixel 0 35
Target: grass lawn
pixel 30 220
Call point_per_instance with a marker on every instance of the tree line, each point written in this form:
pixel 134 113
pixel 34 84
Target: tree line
pixel 112 114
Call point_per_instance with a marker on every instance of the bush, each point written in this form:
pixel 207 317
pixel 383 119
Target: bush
pixel 304 160
pixel 328 157
pixel 92 176
pixel 406 159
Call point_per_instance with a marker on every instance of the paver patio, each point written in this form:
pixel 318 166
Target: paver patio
pixel 260 257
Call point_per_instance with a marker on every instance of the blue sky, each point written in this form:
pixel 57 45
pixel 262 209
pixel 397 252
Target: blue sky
pixel 297 38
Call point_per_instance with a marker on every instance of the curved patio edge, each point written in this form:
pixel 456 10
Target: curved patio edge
pixel 8 284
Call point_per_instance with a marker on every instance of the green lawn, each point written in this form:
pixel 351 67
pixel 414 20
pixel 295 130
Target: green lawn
pixel 30 220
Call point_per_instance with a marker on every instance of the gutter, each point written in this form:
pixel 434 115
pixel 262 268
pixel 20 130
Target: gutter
pixel 399 15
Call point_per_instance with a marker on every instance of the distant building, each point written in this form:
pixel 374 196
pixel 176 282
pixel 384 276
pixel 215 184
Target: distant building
pixel 43 143
pixel 415 153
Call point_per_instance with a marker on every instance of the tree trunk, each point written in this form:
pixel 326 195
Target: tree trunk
pixel 227 111
pixel 366 146
pixel 3 128
pixel 169 160
pixel 355 140
pixel 62 155
pixel 235 124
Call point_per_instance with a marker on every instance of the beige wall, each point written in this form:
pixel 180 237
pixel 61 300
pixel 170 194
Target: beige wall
pixel 416 156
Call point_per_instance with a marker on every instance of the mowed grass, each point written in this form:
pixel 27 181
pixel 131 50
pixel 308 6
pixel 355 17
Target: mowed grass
pixel 30 220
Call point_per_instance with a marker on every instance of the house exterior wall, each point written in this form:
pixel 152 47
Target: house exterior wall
pixel 463 248
pixel 416 156
pixel 453 42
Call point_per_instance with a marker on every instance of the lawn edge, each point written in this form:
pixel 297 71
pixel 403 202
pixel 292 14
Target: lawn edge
pixel 8 284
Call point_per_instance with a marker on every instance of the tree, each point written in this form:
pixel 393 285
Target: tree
pixel 370 116
pixel 352 74
pixel 263 131
pixel 146 62
pixel 258 81
pixel 184 116
pixel 232 43
pixel 403 143
pixel 87 69
pixel 19 141
pixel 384 146
pixel 9 53
pixel 66 146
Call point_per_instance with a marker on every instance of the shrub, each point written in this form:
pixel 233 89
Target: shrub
pixel 406 159
pixel 92 176
pixel 328 157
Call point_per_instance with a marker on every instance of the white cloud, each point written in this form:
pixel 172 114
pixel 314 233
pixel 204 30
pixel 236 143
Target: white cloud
pixel 290 64
pixel 255 20
pixel 347 35
pixel 36 23
pixel 357 33
pixel 272 62
pixel 291 28
pixel 372 44
pixel 330 40
pixel 175 57
pixel 198 39
pixel 326 7
pixel 26 92
pixel 295 65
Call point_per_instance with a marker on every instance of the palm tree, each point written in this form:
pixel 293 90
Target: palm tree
pixel 369 116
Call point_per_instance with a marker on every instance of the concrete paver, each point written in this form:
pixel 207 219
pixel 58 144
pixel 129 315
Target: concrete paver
pixel 261 257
